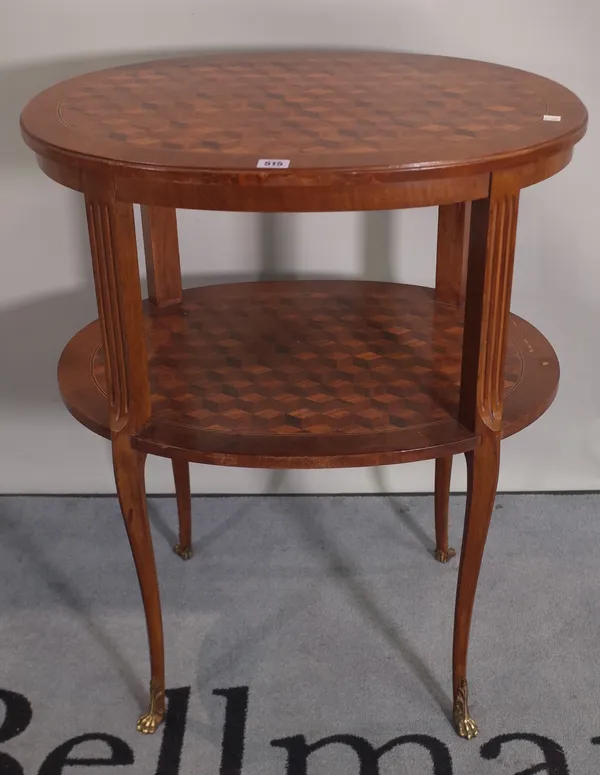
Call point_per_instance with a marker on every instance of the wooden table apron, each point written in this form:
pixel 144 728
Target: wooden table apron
pixel 307 373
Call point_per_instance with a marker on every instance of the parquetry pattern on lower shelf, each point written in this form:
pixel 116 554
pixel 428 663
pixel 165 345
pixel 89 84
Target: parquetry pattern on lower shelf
pixel 306 358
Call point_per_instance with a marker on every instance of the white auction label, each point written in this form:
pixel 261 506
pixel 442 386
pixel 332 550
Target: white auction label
pixel 274 164
pixel 552 118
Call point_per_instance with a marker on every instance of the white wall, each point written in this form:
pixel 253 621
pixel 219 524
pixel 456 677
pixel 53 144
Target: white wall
pixel 45 283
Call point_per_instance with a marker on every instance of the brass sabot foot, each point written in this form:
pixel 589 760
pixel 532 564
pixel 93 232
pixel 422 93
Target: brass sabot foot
pixel 465 726
pixel 149 721
pixel 185 552
pixel 444 556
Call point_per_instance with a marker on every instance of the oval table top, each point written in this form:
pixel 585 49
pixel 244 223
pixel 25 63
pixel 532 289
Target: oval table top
pixel 315 118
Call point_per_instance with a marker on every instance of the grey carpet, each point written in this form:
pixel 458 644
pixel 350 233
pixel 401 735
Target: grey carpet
pixel 330 611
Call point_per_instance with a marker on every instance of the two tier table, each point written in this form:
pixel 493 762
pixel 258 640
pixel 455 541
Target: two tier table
pixel 306 373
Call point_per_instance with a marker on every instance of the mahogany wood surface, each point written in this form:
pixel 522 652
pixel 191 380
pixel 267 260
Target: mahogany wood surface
pixel 131 490
pixel 443 474
pixel 454 223
pixel 181 474
pixel 118 291
pixel 452 249
pixel 161 249
pixel 307 373
pixel 163 272
pixel 365 130
pixel 493 232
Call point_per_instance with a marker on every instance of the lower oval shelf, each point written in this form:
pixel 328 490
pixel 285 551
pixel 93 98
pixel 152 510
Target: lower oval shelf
pixel 307 374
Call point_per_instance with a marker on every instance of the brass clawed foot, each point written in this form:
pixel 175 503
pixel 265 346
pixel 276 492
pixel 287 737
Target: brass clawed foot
pixel 444 556
pixel 149 721
pixel 185 552
pixel 465 726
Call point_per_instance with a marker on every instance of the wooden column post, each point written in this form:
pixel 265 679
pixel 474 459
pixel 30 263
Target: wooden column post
pixel 450 285
pixel 487 309
pixel 117 280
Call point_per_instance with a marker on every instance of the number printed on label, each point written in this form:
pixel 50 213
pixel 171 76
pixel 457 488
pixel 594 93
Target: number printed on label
pixel 276 164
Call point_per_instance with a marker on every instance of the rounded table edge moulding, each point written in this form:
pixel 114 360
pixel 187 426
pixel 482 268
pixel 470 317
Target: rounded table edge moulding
pixel 199 178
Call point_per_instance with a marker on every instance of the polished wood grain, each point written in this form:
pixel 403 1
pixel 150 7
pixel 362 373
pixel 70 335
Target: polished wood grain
pixel 163 272
pixel 181 474
pixel 490 271
pixel 306 374
pixel 535 392
pixel 452 249
pixel 116 275
pixel 161 250
pixel 443 474
pixel 489 283
pixel 363 130
pixel 287 194
pixel 450 286
pixel 131 490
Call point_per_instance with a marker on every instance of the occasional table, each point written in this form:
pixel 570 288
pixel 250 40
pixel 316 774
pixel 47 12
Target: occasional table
pixel 306 373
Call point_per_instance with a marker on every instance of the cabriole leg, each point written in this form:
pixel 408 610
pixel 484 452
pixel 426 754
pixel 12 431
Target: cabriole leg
pixel 129 476
pixel 482 479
